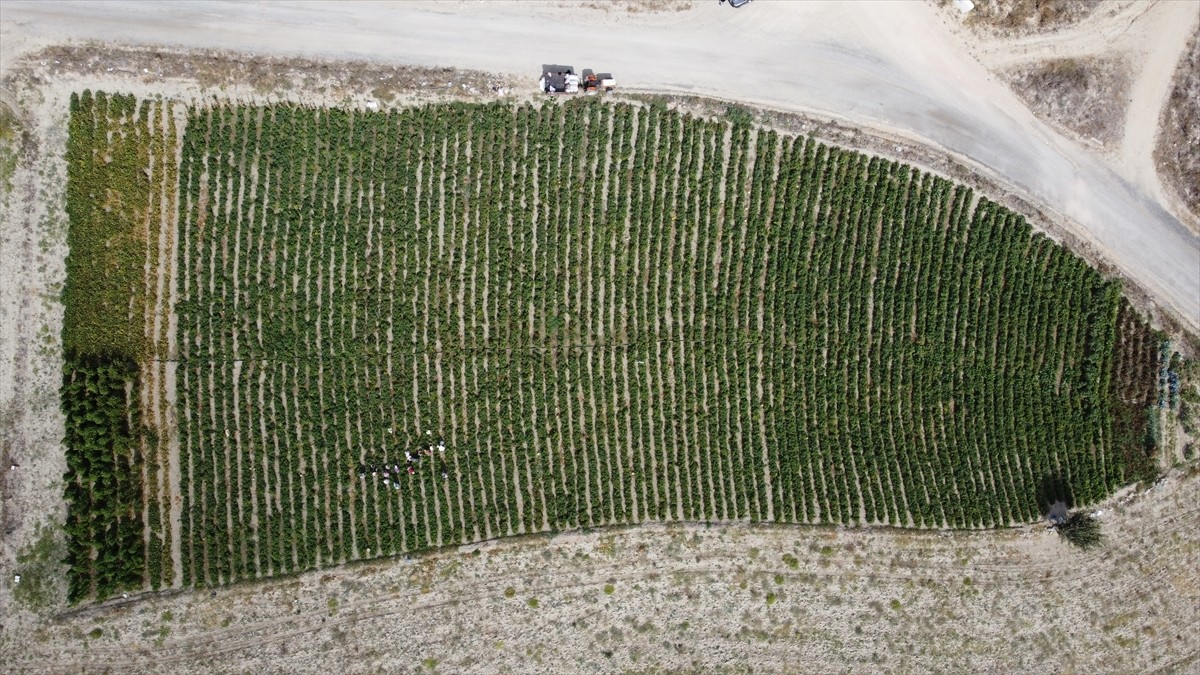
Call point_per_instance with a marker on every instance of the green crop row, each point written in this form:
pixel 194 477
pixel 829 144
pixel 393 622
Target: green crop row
pixel 613 314
pixel 119 160
pixel 103 482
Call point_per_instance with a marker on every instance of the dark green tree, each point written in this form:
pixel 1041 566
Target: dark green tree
pixel 1081 530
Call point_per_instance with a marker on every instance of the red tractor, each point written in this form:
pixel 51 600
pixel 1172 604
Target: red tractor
pixel 593 83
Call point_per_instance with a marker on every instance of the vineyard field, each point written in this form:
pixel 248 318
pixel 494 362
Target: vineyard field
pixel 609 314
pixel 121 181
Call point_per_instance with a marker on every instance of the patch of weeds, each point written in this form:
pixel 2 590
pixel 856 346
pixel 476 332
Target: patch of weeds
pixel 9 127
pixel 826 550
pixel 10 132
pixel 96 633
pixel 771 598
pixel 168 616
pixel 510 592
pixel 608 589
pixel 532 602
pixel 332 603
pixel 647 627
pixel 40 566
pixel 739 116
pixel 449 570
pixel 791 561
pixel 754 553
pixel 1119 621
pixel 430 663
pixel 1125 642
pixel 607 546
pixel 967 581
pixel 895 604
pixel 384 93
pixel 779 580
pixel 226 621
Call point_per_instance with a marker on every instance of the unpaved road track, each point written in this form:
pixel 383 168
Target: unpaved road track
pixel 895 67
pixel 1151 36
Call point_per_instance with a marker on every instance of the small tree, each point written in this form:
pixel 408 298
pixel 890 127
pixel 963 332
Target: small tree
pixel 1082 530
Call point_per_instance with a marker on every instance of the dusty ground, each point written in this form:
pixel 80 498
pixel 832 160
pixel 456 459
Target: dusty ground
pixel 1129 605
pixel 1101 73
pixel 689 597
pixel 1084 96
pixel 1178 151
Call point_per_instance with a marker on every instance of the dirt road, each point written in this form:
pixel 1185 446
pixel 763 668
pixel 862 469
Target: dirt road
pixel 891 66
pixel 1122 30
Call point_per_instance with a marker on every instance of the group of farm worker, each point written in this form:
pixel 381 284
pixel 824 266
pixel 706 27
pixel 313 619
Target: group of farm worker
pixel 391 472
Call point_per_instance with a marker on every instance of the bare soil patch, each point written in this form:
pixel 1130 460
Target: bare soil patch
pixel 1177 152
pixel 265 75
pixel 689 597
pixel 635 6
pixel 1084 96
pixel 1010 18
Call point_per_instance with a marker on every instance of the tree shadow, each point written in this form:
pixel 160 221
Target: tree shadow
pixel 1054 497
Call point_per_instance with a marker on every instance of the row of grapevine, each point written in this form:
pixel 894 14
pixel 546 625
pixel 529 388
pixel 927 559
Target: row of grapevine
pixel 118 153
pixel 612 314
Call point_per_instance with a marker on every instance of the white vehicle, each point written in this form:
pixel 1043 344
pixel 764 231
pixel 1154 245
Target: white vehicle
pixel 558 79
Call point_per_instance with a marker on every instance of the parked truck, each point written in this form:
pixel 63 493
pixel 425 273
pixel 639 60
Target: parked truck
pixel 593 83
pixel 559 79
